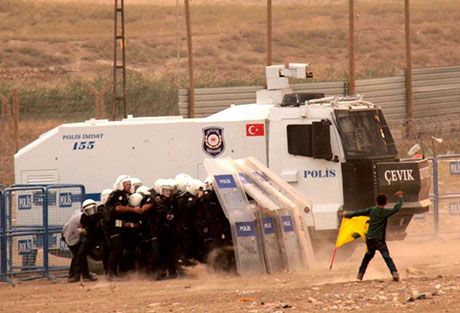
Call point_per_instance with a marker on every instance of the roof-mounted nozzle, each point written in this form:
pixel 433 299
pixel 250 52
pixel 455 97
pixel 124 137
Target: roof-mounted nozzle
pixel 277 74
pixel 277 81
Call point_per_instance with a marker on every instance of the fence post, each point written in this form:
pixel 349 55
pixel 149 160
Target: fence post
pixel 269 32
pixel 436 196
pixel 191 95
pixel 16 118
pixel 46 235
pixel 3 237
pixel 3 243
pixel 351 48
pixel 100 111
pixel 409 104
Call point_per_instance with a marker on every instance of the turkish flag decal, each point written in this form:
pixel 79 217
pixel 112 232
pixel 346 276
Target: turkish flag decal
pixel 255 130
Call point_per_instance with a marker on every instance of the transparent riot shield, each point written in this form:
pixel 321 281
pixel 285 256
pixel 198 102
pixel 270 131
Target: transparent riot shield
pixel 284 222
pixel 302 202
pixel 293 251
pixel 229 189
pixel 273 252
pixel 267 215
pixel 281 193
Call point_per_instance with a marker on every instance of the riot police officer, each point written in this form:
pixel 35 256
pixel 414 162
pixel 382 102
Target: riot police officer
pixel 103 244
pixel 114 209
pixel 214 230
pixel 186 205
pixel 144 251
pixel 164 232
pixel 87 233
pixel 131 234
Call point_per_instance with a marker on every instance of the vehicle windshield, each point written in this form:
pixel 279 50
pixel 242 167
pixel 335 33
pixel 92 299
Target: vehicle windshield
pixel 365 134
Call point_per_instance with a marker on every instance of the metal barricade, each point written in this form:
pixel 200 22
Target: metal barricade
pixel 63 202
pixel 23 222
pixel 444 214
pixel 446 189
pixel 32 218
pixel 2 229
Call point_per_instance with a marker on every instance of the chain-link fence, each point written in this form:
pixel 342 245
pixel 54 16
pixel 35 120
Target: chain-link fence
pixel 435 135
pixel 79 103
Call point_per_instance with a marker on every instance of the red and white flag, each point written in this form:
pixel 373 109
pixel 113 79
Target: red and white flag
pixel 255 130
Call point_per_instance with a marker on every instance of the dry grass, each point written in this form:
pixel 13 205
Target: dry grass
pixel 229 36
pixel 48 42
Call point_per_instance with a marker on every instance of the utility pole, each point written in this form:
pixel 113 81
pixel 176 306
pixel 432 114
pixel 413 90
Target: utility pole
pixel 409 104
pixel 191 95
pixel 178 38
pixel 269 32
pixel 351 54
pixel 119 79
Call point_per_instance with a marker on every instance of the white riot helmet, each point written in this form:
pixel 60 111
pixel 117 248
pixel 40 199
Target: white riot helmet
pixel 144 191
pixel 105 195
pixel 135 199
pixel 167 184
pixel 182 180
pixel 120 181
pixel 194 186
pixel 173 182
pixel 89 207
pixel 208 183
pixel 157 184
pixel 135 183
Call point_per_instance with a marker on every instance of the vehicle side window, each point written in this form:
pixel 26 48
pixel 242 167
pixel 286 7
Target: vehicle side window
pixel 299 140
pixel 321 142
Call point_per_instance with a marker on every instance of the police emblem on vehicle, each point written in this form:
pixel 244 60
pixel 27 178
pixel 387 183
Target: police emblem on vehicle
pixel 213 141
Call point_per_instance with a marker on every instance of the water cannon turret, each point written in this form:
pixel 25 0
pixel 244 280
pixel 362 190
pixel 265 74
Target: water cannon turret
pixel 278 83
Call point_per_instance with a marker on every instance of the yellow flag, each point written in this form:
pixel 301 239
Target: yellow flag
pixel 352 228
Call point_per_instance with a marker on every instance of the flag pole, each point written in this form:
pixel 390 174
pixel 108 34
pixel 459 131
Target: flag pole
pixel 333 258
pixel 335 250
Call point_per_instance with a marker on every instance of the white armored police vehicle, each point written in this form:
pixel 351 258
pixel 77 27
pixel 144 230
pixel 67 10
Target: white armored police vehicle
pixel 338 151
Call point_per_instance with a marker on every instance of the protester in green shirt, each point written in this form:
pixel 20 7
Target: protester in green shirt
pixel 375 237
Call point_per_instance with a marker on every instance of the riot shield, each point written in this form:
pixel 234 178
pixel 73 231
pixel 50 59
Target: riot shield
pixel 273 252
pixel 229 189
pixel 285 225
pixel 302 202
pixel 267 215
pixel 289 198
pixel 293 251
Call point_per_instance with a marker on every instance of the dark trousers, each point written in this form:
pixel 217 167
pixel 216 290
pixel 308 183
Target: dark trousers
pixel 144 255
pixel 372 246
pixel 130 242
pixel 74 250
pixel 105 252
pixel 87 243
pixel 169 255
pixel 115 242
pixel 79 263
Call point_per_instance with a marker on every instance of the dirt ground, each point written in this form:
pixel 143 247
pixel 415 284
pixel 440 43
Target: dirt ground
pixel 429 267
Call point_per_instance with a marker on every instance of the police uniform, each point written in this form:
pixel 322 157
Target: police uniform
pixel 186 206
pixel 164 235
pixel 144 250
pixel 214 230
pixel 88 241
pixel 131 239
pixel 111 224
